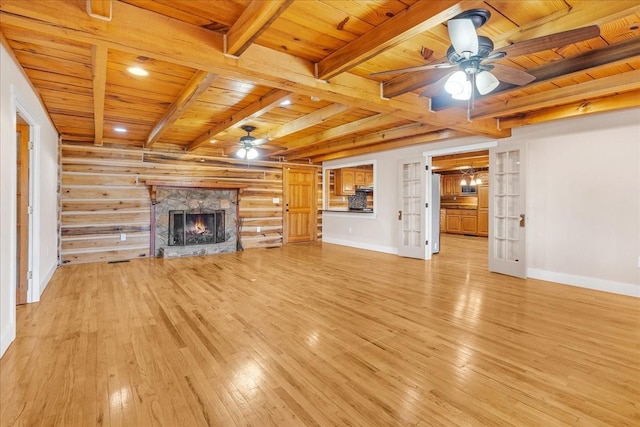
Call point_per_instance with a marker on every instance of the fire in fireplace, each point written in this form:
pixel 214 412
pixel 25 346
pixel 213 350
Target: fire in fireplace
pixel 196 228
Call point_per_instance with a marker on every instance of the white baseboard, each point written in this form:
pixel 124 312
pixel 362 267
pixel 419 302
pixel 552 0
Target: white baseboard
pixel 47 278
pixel 585 282
pixel 7 338
pixel 360 245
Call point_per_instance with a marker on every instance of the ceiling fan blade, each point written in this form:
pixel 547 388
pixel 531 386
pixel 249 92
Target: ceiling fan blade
pixel 416 68
pixel 551 41
pixel 511 75
pixel 436 88
pixel 259 141
pixel 463 36
pixel 494 56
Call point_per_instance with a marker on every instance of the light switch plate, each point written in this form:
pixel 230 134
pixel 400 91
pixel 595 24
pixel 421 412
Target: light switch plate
pixel 123 237
pixel 276 200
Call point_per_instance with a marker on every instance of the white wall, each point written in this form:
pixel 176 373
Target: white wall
pixel 15 92
pixel 583 192
pixel 583 201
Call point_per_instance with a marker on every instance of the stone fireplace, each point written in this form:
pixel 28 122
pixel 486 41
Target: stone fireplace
pixel 194 221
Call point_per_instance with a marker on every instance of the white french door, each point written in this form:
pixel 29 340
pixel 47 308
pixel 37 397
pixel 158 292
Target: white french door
pixel 507 214
pixel 411 213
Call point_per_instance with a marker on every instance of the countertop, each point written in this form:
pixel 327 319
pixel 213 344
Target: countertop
pixel 470 207
pixel 347 211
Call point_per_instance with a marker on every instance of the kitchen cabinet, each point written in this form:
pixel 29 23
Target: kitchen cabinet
pixel 483 210
pixel 469 223
pixel 368 176
pixel 453 220
pixel 443 220
pixel 483 223
pixel 462 221
pixel 345 182
pixel 363 177
pixel 450 185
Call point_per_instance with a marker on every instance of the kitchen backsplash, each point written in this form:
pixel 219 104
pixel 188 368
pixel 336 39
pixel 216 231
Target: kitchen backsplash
pixel 358 201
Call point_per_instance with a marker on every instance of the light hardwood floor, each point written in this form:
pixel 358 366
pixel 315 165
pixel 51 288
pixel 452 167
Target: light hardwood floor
pixel 320 335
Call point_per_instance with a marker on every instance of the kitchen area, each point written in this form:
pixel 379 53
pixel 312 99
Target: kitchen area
pixel 464 193
pixel 350 189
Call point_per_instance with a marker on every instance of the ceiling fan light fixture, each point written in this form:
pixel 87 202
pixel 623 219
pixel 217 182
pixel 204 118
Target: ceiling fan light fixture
pixel 463 37
pixel 486 82
pixel 465 95
pixel 252 153
pixel 455 84
pixel 242 153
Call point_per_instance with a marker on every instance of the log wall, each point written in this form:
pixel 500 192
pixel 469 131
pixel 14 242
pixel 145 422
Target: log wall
pixel 104 195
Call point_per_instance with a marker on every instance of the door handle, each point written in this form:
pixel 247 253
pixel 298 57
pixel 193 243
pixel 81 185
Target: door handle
pixel 521 220
pixel 399 215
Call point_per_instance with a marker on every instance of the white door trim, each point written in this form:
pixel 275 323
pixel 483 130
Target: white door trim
pixel 33 288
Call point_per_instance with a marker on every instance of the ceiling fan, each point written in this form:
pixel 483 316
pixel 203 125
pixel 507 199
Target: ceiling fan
pixel 248 144
pixel 473 55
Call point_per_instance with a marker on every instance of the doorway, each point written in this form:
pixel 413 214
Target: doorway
pixel 23 208
pixel 501 213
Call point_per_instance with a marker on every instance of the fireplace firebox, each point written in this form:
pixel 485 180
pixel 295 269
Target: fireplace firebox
pixel 196 228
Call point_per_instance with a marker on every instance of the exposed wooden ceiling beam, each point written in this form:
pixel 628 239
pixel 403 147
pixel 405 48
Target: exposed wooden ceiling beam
pixel 268 102
pixel 99 86
pixel 339 131
pixel 580 15
pixel 307 121
pixel 100 9
pixel 256 18
pixel 360 141
pixel 610 103
pixel 582 91
pixel 198 84
pixel 414 20
pixel 188 45
pixel 391 145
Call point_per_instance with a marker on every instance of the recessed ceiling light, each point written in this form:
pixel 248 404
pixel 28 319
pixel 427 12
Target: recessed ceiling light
pixel 137 71
pixel 213 141
pixel 120 129
pixel 285 103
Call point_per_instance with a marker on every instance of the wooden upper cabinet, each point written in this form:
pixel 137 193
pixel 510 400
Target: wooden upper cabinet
pixel 345 181
pixel 360 177
pixel 450 185
pixel 368 177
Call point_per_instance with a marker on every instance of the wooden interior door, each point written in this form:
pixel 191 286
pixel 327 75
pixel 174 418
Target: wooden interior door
pixel 22 212
pixel 301 204
pixel 507 198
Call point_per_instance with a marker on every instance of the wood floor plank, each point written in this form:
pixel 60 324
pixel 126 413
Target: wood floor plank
pixel 318 335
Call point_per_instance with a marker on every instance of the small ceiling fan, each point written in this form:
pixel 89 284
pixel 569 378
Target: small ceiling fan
pixel 248 144
pixel 473 55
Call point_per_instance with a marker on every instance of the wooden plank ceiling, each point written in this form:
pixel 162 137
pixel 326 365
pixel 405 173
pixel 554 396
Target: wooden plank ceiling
pixel 215 66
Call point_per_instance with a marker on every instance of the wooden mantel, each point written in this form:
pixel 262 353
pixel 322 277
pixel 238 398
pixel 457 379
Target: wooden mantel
pixel 215 185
